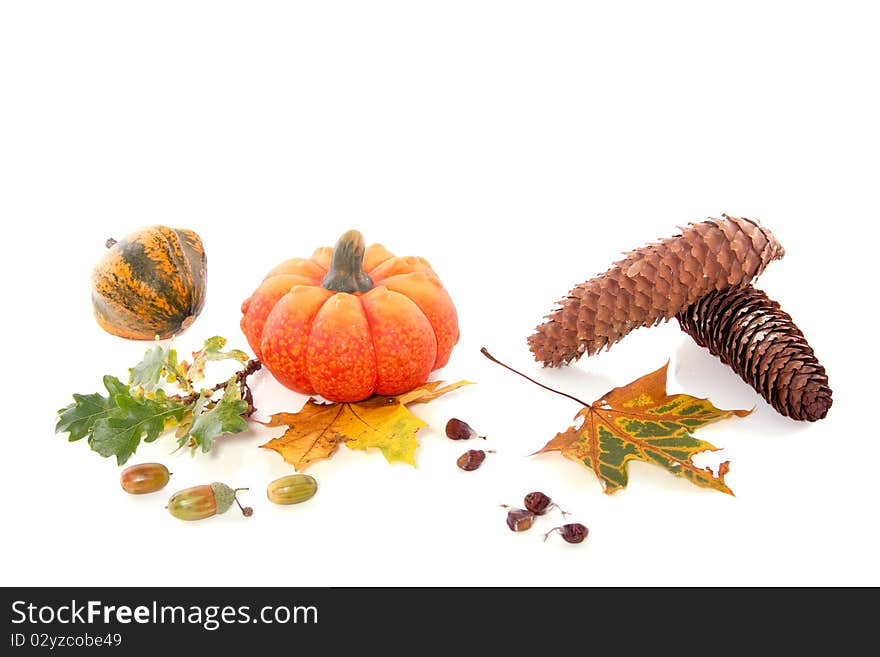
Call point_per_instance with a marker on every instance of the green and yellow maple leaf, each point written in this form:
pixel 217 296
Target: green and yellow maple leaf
pixel 641 421
pixel 316 431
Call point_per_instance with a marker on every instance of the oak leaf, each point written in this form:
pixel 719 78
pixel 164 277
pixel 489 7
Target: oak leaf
pixel 142 409
pixel 641 421
pixel 385 423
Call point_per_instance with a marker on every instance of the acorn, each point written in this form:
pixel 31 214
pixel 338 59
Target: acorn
pixel 144 478
pixel 199 502
pixel 292 489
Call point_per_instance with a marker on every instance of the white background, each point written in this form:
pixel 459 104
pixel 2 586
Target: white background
pixel 520 147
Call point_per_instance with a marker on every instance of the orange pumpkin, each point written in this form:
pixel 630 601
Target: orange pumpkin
pixel 350 322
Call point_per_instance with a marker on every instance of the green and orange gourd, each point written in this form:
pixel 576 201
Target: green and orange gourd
pixel 150 283
pixel 351 321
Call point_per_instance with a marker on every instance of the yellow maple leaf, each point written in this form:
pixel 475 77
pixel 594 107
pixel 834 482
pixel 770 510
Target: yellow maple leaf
pixel 385 423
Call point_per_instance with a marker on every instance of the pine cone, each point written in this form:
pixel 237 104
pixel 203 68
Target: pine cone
pixel 652 284
pixel 751 333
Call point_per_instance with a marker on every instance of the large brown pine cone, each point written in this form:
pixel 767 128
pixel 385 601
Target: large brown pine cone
pixel 751 333
pixel 652 284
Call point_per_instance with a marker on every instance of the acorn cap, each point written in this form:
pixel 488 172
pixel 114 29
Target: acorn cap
pixel 224 495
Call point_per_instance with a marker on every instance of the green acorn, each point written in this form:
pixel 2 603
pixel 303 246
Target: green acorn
pixel 199 502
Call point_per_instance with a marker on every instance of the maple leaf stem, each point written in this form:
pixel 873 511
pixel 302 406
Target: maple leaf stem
pixel 486 353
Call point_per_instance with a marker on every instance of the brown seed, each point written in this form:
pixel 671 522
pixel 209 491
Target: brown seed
pixel 519 520
pixel 537 502
pixel 573 532
pixel 471 459
pixel 460 430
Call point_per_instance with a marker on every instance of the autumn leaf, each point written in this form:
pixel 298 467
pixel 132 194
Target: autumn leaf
pixel 147 373
pixel 640 421
pixel 79 418
pixel 225 416
pixel 142 409
pixel 210 351
pixel 385 423
pixel 120 432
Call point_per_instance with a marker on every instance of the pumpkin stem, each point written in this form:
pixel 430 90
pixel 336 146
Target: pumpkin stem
pixel 346 272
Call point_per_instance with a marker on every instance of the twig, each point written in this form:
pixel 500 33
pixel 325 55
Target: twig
pixel 239 377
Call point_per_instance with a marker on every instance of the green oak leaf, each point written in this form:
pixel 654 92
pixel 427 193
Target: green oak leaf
pixel 148 372
pixel 175 373
pixel 135 418
pixel 78 418
pixel 212 349
pixel 142 410
pixel 224 417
